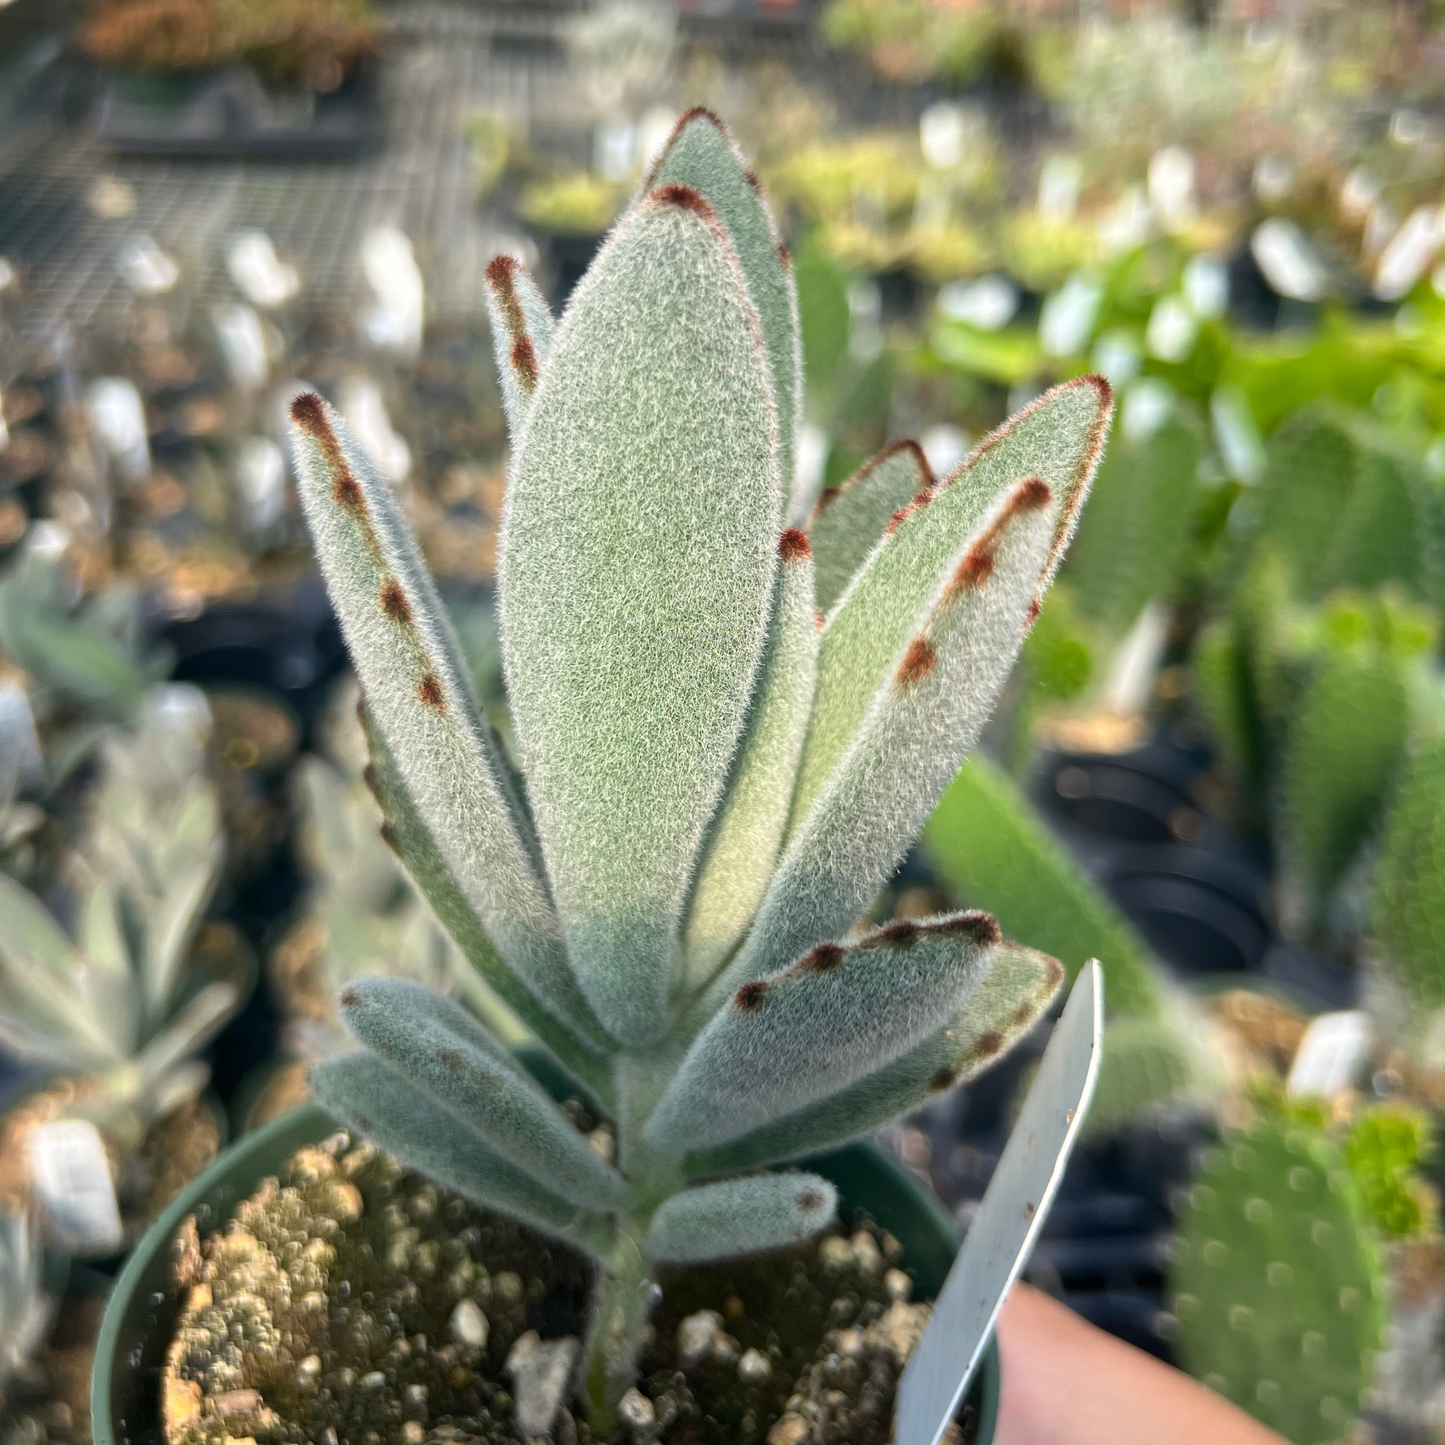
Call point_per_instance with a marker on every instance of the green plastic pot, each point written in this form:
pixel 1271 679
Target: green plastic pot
pixel 140 1318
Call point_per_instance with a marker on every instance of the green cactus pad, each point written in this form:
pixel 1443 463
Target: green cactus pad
pixel 1277 1282
pixel 1131 541
pixel 1408 909
pixel 1344 748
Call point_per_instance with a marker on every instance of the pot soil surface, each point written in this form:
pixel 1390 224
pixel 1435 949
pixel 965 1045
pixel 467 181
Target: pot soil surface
pixel 350 1302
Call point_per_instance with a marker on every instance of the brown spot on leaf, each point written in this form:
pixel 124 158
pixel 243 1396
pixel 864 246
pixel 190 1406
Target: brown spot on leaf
pixel 524 363
pixel 974 924
pixel 793 546
pixel 749 998
pixel 944 1078
pixel 785 255
pixel 687 198
pixel 917 662
pixel 810 1199
pixel 394 603
pixel 901 934
pixel 502 277
pixel 349 998
pixel 450 1059
pixel 976 568
pixel 987 1046
pixel 429 690
pixel 1020 1016
pixel 822 958
pixel 1033 612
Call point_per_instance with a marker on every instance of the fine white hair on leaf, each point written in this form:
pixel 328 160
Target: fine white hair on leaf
pixel 635 578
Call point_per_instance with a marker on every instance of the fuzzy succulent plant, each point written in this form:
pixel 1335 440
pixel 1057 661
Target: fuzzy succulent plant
pixel 713 778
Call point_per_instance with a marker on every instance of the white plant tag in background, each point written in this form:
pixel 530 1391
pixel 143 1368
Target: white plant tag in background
pixel 73 1185
pixel 1330 1054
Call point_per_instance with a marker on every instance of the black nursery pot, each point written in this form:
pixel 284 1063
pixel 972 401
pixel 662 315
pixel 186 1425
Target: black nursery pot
pixel 140 1318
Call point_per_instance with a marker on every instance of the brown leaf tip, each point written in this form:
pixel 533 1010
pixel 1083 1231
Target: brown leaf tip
pixel 309 411
pixel 974 924
pixel 1033 612
pixel 917 662
pixel 823 958
pixel 793 545
pixel 945 1078
pixel 687 198
pixel 429 690
pixel 349 998
pixel 749 998
pixel 501 270
pixel 394 603
pixel 699 112
pixel 901 933
pixel 811 1200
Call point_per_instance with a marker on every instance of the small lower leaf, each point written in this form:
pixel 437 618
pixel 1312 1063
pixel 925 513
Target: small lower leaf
pixel 1000 1011
pixel 364 1094
pixel 740 1216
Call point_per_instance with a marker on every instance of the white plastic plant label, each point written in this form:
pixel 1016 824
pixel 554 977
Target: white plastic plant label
pixel 1330 1054
pixel 73 1185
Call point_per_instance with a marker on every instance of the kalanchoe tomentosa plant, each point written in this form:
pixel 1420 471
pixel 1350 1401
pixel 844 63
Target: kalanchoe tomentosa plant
pixel 713 779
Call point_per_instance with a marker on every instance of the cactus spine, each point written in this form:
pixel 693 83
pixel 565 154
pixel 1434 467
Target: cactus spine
pixel 1277 1281
pixel 711 782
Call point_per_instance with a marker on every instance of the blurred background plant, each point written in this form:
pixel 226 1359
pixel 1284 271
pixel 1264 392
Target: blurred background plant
pixel 1218 768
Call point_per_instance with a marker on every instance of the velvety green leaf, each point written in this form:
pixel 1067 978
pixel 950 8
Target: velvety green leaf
pixel 701 154
pixel 747 833
pixel 938 694
pixel 1058 439
pixel 437 1046
pixel 419 694
pixel 1018 988
pixel 838 1013
pixel 521 336
pixel 635 577
pixel 361 1092
pixel 580 1044
pixel 848 521
pixel 740 1217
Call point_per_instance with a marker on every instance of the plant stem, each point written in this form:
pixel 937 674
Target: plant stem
pixel 623 1300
